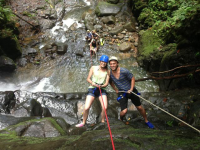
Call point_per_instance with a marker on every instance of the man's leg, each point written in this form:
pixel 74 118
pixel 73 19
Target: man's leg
pixel 123 113
pixel 142 112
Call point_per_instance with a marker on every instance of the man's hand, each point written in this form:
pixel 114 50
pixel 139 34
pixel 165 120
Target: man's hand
pixel 129 91
pixel 117 91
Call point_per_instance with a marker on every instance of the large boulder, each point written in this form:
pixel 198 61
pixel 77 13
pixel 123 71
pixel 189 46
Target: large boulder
pixel 89 21
pixel 108 19
pixel 116 30
pixel 148 49
pixel 7 64
pixel 8 101
pixel 130 27
pixel 46 127
pixel 124 47
pixel 46 23
pixel 106 9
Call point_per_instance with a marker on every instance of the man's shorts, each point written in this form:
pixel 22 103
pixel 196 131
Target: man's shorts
pixel 134 99
pixel 95 92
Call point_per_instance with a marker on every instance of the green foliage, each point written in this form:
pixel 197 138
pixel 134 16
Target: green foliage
pixel 5 13
pixel 170 19
pixel 8 32
pixel 197 54
pixel 170 123
pixel 25 13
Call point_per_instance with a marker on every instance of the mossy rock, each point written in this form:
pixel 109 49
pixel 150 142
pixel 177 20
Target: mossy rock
pixel 124 138
pixel 47 127
pixel 149 49
pixel 137 6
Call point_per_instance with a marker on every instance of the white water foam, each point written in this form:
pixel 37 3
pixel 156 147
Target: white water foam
pixel 88 3
pixel 8 86
pixel 66 24
pixel 44 86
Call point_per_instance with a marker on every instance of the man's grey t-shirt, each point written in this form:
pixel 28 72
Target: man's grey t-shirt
pixel 124 81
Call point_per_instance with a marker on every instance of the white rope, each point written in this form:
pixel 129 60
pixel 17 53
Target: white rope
pixel 166 112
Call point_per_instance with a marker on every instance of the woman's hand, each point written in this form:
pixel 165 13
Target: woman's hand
pixel 94 84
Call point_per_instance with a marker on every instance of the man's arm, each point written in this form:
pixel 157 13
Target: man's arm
pixel 132 84
pixel 113 86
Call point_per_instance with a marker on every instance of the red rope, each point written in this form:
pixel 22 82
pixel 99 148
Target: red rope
pixel 91 57
pixel 107 121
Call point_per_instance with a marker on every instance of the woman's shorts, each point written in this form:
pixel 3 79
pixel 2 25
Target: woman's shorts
pixel 95 92
pixel 134 99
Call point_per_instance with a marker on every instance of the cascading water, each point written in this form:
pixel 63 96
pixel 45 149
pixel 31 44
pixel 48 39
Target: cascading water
pixel 68 73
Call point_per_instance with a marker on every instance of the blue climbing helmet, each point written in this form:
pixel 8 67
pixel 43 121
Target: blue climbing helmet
pixel 104 58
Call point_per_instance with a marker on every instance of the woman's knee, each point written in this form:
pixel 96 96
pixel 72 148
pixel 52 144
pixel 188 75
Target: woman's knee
pixel 87 109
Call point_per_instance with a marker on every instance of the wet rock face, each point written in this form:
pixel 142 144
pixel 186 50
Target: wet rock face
pixel 7 102
pixel 66 110
pixel 70 107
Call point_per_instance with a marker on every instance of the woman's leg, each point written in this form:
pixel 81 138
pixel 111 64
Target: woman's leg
pixel 104 104
pixel 88 103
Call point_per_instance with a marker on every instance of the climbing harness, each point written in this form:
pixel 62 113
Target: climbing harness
pixel 121 96
pixel 113 146
pixel 96 87
pixel 164 111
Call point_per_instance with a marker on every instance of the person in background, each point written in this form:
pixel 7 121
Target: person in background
pixel 98 77
pixel 95 35
pixel 88 36
pixel 93 47
pixel 123 82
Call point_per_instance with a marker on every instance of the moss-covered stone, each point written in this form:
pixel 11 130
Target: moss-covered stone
pixel 137 6
pixel 19 129
pixel 149 49
pixel 124 138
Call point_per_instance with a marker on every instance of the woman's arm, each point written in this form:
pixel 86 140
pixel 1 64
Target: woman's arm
pixel 90 75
